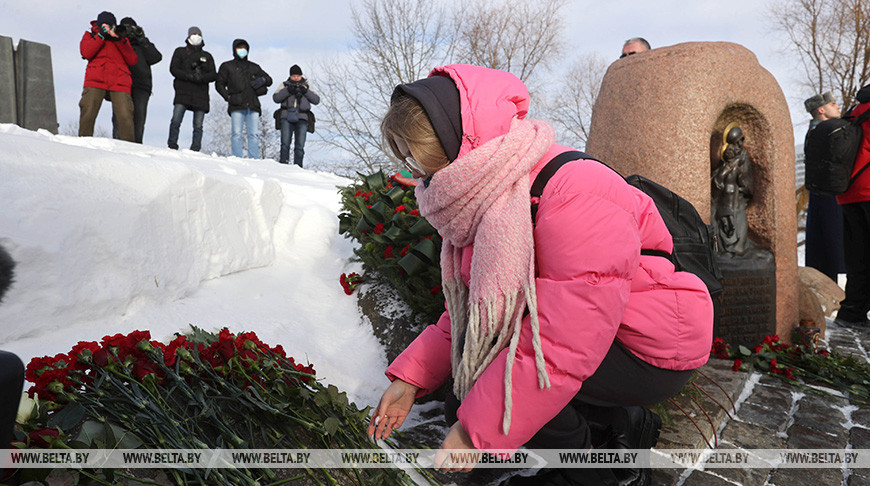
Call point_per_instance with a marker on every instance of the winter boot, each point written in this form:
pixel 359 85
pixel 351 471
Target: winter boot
pixel 625 428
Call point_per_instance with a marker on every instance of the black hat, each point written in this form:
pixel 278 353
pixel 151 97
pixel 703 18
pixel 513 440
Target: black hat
pixel 440 100
pixel 128 21
pixel 295 69
pixel 106 18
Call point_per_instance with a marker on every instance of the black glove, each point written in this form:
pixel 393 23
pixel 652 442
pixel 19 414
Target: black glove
pixel 303 89
pixel 258 83
pixel 196 77
pixel 104 32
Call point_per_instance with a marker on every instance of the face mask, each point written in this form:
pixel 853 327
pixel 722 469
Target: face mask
pixel 242 53
pixel 195 39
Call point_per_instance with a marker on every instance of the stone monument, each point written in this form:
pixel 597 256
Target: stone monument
pixel 667 114
pixel 27 85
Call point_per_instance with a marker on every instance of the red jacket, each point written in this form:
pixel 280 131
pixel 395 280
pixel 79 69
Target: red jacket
pixel 859 191
pixel 108 61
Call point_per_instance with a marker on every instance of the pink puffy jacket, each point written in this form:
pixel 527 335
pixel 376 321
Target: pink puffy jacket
pixel 593 286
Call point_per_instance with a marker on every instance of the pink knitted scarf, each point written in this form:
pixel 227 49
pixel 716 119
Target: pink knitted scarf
pixel 482 198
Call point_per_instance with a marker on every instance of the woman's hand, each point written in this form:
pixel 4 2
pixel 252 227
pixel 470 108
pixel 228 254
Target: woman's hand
pixel 457 439
pixel 393 408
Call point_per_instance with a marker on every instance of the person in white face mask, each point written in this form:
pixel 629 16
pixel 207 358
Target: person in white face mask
pixel 193 69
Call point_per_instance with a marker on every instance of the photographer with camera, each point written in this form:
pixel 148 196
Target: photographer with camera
pixel 241 82
pixel 140 72
pixel 296 99
pixel 193 69
pixel 109 59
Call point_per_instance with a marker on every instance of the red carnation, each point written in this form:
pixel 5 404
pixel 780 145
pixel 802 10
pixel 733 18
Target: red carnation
pixel 379 228
pixel 400 209
pixel 736 365
pixel 388 251
pixel 414 212
pixel 773 367
pixel 41 437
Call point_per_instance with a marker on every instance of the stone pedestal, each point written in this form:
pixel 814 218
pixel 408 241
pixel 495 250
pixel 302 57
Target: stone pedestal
pixel 747 311
pixel 8 104
pixel 661 114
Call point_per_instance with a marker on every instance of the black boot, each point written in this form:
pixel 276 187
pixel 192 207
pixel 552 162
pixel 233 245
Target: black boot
pixel 625 428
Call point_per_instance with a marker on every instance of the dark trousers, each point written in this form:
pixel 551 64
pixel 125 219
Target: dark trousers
pixel 122 107
pixel 288 131
pixel 175 127
pixel 824 236
pixel 622 380
pixel 140 112
pixel 856 239
pixel 11 383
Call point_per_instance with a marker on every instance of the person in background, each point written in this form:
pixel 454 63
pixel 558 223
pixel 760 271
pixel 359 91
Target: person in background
pixel 633 46
pixel 193 69
pixel 147 55
pixel 549 328
pixel 11 367
pixel 108 74
pixel 855 203
pixel 241 82
pixel 296 99
pixel 824 233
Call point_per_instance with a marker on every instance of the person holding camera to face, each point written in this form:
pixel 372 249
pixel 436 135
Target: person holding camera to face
pixel 109 59
pixel 140 72
pixel 193 69
pixel 296 99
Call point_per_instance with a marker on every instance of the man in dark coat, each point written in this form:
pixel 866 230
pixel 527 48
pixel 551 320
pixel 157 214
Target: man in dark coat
pixel 824 233
pixel 193 69
pixel 148 55
pixel 240 82
pixel 296 99
pixel 109 59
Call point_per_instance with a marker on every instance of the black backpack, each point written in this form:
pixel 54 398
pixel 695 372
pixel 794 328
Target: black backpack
pixel 694 243
pixel 831 149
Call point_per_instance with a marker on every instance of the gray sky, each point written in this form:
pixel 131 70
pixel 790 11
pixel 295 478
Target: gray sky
pixel 283 33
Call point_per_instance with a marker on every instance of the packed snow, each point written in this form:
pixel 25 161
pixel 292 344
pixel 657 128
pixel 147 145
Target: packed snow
pixel 110 237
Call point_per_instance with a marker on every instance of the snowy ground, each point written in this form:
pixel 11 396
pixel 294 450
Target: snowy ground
pixel 111 237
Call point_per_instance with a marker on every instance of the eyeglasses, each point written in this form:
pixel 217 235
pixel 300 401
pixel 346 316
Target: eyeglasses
pixel 413 166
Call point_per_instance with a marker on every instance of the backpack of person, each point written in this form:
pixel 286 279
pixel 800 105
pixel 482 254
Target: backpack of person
pixel 694 243
pixel 831 149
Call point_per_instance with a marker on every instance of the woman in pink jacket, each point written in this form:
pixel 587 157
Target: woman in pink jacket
pixel 552 327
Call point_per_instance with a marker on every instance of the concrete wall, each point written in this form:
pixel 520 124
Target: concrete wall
pixel 27 85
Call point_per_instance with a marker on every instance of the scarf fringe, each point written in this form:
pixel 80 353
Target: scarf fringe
pixel 472 351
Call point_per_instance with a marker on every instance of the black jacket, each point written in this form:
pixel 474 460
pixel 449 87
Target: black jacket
pixel 234 82
pixel 293 99
pixel 193 69
pixel 148 55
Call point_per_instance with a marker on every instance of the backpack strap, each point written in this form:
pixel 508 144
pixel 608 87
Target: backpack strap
pixel 858 122
pixel 549 170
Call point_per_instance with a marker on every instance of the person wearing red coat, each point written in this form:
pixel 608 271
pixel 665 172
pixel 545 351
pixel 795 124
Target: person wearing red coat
pixel 109 59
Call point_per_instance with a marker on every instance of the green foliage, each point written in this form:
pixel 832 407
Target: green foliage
pixel 381 214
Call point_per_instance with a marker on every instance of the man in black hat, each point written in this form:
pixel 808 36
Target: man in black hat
pixel 193 69
pixel 148 55
pixel 824 233
pixel 296 99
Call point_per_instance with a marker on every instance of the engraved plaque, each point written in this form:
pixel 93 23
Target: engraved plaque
pixel 747 311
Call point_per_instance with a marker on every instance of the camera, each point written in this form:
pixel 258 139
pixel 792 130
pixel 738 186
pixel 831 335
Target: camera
pixel 126 30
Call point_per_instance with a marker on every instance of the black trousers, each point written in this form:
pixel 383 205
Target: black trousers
pixel 622 380
pixel 11 383
pixel 140 112
pixel 856 239
pixel 824 236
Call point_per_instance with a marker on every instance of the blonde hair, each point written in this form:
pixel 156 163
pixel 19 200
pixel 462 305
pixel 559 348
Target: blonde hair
pixel 407 119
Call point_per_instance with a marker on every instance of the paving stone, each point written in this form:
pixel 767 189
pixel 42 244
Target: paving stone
pixel 751 436
pixel 818 413
pixel 743 476
pixel 806 477
pixel 859 477
pixel 802 437
pixel 704 478
pixel 776 421
pixel 771 397
pixel 859 438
